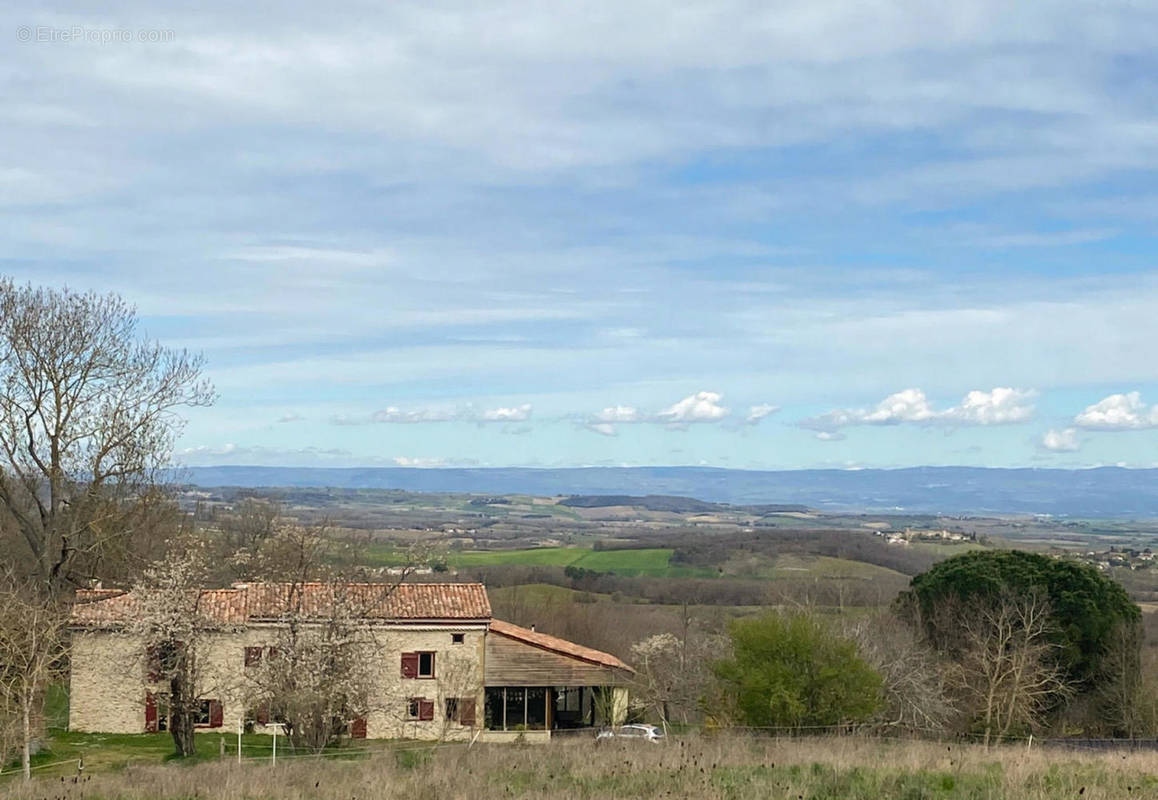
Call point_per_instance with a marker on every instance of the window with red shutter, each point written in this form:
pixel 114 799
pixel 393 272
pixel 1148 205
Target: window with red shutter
pixel 358 728
pixel 466 711
pixel 426 665
pixel 153 663
pixel 262 714
pixel 414 707
pixel 410 665
pixel 425 709
pixel 216 714
pixel 150 713
pixel 252 656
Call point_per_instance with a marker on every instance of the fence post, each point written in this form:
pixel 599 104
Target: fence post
pixel 240 725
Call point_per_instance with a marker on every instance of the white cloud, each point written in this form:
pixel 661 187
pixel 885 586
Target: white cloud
pixel 759 412
pixel 619 414
pixel 393 415
pixel 406 461
pixel 1000 406
pixel 695 408
pixel 240 455
pixel 830 436
pixel 1118 412
pixel 699 407
pixel 1063 441
pixel 290 418
pixel 513 414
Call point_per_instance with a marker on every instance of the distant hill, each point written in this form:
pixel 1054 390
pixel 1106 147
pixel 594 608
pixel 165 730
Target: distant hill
pixel 1102 492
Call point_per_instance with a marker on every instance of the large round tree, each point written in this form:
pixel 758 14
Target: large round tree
pixel 1091 613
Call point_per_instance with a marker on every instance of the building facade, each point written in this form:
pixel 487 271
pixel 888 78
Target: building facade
pixel 438 665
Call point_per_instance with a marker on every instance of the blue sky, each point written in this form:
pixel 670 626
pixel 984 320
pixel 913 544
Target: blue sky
pixel 740 234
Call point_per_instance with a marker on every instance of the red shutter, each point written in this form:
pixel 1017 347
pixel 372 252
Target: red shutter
pixel 410 665
pixel 358 728
pixel 153 663
pixel 262 714
pixel 252 656
pixel 150 713
pixel 466 711
pixel 425 709
pixel 216 714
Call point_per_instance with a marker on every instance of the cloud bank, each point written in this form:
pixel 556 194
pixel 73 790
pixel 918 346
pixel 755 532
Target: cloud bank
pixel 999 406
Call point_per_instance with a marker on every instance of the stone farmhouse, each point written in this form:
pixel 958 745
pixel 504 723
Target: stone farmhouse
pixel 443 667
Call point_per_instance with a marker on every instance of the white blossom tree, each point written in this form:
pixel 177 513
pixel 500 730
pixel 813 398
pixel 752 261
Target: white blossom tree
pixel 32 633
pixel 173 624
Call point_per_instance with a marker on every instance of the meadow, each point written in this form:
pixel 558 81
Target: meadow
pixel 724 767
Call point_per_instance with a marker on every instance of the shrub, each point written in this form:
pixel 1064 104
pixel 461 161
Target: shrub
pixel 795 670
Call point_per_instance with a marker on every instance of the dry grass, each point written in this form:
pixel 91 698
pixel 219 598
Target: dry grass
pixel 734 768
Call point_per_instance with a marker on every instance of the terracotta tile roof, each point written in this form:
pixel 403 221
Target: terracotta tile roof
pixel 257 601
pixel 557 645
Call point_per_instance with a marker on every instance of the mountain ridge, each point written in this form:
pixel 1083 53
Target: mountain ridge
pixel 1091 492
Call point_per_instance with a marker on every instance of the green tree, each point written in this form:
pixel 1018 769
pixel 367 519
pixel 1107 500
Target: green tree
pixel 1092 614
pixel 794 670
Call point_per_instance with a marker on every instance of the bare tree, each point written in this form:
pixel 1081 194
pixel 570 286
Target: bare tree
pixel 87 418
pixel 674 673
pixel 32 631
pixel 1005 670
pixel 323 669
pixel 1121 697
pixel 915 680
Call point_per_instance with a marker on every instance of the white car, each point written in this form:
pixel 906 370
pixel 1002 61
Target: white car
pixel 649 732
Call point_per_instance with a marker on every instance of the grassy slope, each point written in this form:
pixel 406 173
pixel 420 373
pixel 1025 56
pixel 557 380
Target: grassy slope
pixel 725 767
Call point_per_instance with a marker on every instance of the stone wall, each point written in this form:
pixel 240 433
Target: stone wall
pixel 108 681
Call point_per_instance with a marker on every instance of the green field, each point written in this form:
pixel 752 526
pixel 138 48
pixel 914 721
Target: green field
pixel 651 562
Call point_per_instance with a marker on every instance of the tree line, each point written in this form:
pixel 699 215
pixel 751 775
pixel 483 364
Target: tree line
pixel 992 644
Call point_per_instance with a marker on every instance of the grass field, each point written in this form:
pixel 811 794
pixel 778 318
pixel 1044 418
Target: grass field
pixel 735 768
pixel 653 562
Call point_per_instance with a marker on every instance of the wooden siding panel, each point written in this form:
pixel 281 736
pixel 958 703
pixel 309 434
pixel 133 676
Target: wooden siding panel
pixel 512 663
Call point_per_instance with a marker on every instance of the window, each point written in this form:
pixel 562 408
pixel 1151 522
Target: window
pixel 209 714
pixel 419 708
pixel 457 638
pixel 418 665
pixel 156 712
pixel 460 710
pixel 162 660
pixel 253 656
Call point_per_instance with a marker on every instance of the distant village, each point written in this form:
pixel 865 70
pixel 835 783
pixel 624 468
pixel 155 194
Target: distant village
pixel 910 535
pixel 1120 557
